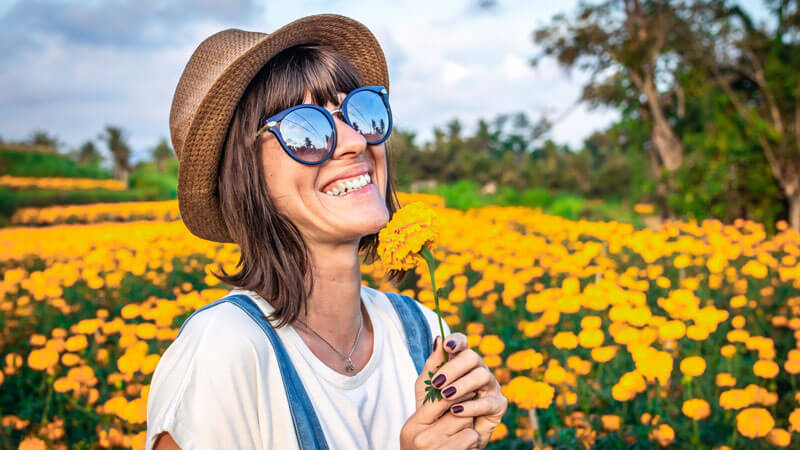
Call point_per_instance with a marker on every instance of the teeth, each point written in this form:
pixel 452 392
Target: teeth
pixel 345 186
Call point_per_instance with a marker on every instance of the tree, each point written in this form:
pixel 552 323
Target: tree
pixel 631 49
pixel 757 69
pixel 163 154
pixel 87 154
pixel 120 151
pixel 42 138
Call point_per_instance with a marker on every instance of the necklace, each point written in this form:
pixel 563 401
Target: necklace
pixel 348 362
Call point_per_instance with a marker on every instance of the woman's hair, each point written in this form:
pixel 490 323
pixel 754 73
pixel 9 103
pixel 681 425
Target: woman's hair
pixel 274 259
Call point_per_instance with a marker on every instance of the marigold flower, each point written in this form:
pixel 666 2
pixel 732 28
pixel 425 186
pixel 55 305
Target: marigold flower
pixel 693 366
pixel 735 399
pixel 528 394
pixel 32 443
pixel 76 343
pixel 41 359
pixel 663 434
pixel 491 344
pixel 565 340
pixel 591 338
pixel 611 422
pixel 524 360
pixel 779 437
pixel 765 369
pixel 728 351
pixel 725 379
pixel 401 240
pixel 604 354
pixel 696 408
pixel 754 422
pixel 794 420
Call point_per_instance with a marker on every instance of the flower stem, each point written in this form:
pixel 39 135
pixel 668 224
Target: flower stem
pixel 428 256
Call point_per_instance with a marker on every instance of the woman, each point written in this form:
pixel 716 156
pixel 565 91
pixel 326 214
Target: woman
pixel 281 143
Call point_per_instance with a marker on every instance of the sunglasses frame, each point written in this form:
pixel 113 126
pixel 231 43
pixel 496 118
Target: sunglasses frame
pixel 272 124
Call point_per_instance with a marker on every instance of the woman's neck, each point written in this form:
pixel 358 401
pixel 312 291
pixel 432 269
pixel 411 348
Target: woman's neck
pixel 334 306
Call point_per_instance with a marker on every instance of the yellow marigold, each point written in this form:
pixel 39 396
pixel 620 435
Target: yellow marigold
pixel 725 379
pixel 591 338
pixel 524 360
pixel 555 374
pixel 674 329
pixel 491 344
pixel 32 443
pixel 411 228
pixel 754 422
pixel 604 354
pixel 792 366
pixel 765 369
pixel 76 343
pixel 611 422
pixel 591 322
pixel 697 332
pixel 663 434
pixel 578 365
pixel 38 339
pixel 794 420
pixel 696 408
pixel 779 437
pixel 735 399
pixel 565 340
pixel 693 366
pixel 499 433
pixel 41 359
pixel 529 394
pixel 728 351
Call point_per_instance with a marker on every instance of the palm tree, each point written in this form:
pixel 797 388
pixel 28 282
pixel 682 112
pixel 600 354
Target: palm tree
pixel 120 151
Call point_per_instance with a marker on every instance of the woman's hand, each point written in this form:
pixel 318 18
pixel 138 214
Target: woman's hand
pixel 466 372
pixel 431 426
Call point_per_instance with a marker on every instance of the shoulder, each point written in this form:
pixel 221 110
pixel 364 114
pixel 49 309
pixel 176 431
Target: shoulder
pixel 221 326
pixel 382 300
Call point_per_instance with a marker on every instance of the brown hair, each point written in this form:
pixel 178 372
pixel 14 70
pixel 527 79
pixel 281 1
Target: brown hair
pixel 274 258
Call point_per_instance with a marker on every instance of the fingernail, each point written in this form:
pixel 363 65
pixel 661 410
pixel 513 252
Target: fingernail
pixel 449 391
pixel 451 344
pixel 458 408
pixel 438 381
pixel 435 342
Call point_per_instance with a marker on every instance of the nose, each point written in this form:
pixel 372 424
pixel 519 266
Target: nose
pixel 349 142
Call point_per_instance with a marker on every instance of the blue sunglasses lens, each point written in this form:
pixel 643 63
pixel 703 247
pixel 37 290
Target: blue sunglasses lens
pixel 368 115
pixel 308 134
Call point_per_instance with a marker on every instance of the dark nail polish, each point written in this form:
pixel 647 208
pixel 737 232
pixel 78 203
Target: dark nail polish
pixel 458 408
pixel 435 343
pixel 451 344
pixel 449 391
pixel 438 381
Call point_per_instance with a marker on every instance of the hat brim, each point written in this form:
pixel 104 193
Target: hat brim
pixel 200 157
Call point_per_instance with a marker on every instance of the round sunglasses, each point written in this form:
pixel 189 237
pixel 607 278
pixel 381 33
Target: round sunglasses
pixel 308 133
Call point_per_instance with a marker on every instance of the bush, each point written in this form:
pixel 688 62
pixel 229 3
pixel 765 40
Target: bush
pixel 23 163
pixel 147 179
pixel 14 199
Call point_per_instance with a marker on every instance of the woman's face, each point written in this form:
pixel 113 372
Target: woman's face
pixel 299 190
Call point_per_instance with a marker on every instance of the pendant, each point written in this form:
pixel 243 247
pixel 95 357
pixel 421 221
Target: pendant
pixel 349 365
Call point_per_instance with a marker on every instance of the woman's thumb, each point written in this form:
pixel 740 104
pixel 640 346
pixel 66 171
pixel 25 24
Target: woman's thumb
pixel 432 364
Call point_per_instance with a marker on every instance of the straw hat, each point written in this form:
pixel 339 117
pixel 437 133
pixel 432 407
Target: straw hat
pixel 212 84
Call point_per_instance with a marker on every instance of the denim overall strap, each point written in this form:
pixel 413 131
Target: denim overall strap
pixel 418 332
pixel 306 425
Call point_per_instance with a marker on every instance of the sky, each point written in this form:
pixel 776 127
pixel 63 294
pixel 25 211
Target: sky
pixel 72 67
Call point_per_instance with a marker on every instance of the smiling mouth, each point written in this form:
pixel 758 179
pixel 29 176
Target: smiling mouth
pixel 348 185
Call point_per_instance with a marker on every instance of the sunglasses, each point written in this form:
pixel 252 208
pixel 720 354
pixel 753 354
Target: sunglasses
pixel 308 133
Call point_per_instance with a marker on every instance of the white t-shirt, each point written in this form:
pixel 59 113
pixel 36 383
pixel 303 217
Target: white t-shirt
pixel 218 384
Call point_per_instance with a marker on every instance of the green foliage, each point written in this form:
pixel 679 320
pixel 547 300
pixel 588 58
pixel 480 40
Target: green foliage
pixel 148 179
pixel 22 163
pixel 14 199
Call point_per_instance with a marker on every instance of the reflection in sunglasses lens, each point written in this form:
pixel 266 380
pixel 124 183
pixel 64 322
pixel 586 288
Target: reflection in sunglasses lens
pixel 368 115
pixel 307 133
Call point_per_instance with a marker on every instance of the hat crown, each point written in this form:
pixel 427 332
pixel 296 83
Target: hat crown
pixel 205 66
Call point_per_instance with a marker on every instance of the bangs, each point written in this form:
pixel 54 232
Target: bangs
pixel 307 68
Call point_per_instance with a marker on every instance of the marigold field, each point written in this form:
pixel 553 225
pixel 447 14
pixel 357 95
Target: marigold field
pixel 601 335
